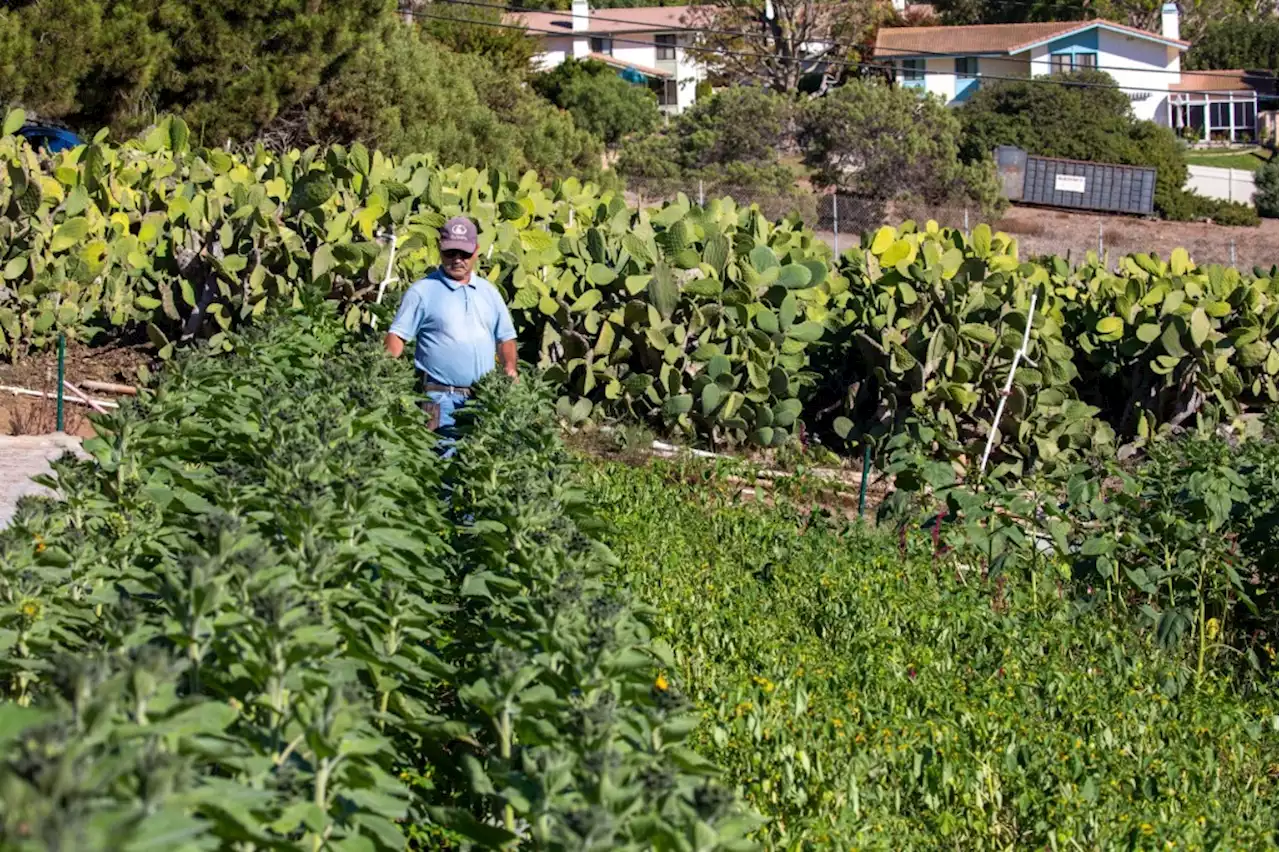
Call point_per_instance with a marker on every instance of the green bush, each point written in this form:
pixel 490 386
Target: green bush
pixel 599 100
pixel 874 692
pixel 405 93
pixel 881 142
pixel 1236 41
pixel 1265 189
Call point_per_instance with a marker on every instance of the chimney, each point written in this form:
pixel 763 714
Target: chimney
pixel 581 12
pixel 1169 24
pixel 900 6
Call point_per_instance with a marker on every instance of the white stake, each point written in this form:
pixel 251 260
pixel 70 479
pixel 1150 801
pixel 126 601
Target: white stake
pixel 1008 385
pixel 387 278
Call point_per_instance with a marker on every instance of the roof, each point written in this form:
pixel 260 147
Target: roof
pixel 1211 81
pixel 646 19
pixel 992 38
pixel 618 63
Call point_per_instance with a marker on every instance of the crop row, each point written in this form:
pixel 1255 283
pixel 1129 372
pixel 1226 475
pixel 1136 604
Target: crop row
pixel 256 621
pixel 710 320
pixel 865 691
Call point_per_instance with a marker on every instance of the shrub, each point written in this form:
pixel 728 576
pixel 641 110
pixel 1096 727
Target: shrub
pixel 1265 189
pixel 881 142
pixel 405 93
pixel 599 100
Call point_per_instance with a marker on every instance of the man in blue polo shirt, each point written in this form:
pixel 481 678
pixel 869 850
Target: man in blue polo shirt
pixel 460 324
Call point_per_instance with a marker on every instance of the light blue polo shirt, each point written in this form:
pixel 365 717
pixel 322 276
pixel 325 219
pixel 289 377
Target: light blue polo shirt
pixel 457 327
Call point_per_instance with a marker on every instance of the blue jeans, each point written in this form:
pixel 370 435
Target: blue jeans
pixel 446 426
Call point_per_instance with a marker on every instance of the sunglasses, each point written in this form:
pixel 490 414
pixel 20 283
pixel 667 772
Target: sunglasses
pixel 456 254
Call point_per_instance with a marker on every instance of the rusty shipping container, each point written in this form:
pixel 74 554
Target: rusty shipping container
pixel 1075 185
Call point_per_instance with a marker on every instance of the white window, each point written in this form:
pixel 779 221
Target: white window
pixel 602 44
pixel 913 69
pixel 1061 63
pixel 666 45
pixel 966 67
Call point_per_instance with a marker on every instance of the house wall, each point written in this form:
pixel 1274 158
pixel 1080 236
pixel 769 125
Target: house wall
pixel 689 72
pixel 1138 64
pixel 940 75
pixel 555 49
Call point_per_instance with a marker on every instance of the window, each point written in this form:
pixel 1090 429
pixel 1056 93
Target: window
pixel 666 92
pixel 666 46
pixel 1244 116
pixel 966 66
pixel 913 69
pixel 1219 115
pixel 1061 63
pixel 602 44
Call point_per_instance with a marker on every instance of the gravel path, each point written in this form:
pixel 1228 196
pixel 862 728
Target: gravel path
pixel 26 456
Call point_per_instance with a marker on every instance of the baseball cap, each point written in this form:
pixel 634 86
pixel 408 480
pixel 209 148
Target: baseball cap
pixel 458 234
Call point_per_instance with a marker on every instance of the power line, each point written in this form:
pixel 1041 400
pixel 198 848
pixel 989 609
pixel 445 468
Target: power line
pixel 736 34
pixel 763 56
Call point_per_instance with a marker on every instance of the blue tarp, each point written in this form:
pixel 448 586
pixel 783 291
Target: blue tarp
pixel 52 139
pixel 631 75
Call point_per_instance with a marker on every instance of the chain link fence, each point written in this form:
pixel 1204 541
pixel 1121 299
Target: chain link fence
pixel 842 220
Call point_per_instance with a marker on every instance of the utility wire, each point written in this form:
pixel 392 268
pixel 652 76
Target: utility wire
pixel 743 35
pixel 415 13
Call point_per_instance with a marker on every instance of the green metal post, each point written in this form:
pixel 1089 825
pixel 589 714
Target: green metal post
pixel 866 472
pixel 62 361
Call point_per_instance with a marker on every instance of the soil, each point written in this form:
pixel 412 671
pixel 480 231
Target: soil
pixel 833 488
pixel 1044 231
pixel 25 415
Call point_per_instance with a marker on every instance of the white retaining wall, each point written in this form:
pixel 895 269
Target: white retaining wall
pixel 1225 184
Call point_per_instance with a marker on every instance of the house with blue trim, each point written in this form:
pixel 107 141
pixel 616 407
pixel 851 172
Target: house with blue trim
pixel 952 62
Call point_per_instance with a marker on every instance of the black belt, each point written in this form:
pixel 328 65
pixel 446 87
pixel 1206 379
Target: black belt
pixel 432 387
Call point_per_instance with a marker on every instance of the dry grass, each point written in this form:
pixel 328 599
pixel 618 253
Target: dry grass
pixel 24 415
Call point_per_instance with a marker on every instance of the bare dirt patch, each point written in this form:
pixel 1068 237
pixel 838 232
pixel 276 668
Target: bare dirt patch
pixel 28 415
pixel 1042 231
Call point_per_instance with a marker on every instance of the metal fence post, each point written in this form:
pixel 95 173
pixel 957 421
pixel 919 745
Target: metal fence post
pixel 835 221
pixel 1233 251
pixel 62 374
pixel 866 471
pixel 1101 247
pixel 966 221
pixel 702 200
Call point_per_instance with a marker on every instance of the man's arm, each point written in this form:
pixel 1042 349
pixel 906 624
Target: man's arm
pixel 406 323
pixel 504 332
pixel 507 357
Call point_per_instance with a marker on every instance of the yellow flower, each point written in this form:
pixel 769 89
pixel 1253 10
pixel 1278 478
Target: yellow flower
pixel 39 543
pixel 837 723
pixel 1147 828
pixel 661 683
pixel 31 609
pixel 1211 629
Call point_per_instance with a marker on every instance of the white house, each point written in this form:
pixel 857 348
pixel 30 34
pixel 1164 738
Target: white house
pixel 646 45
pixel 952 61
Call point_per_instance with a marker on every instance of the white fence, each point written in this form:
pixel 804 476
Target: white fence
pixel 1224 184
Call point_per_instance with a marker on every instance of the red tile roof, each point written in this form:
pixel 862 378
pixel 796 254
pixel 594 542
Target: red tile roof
pixel 618 63
pixel 1211 81
pixel 647 19
pixel 987 38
